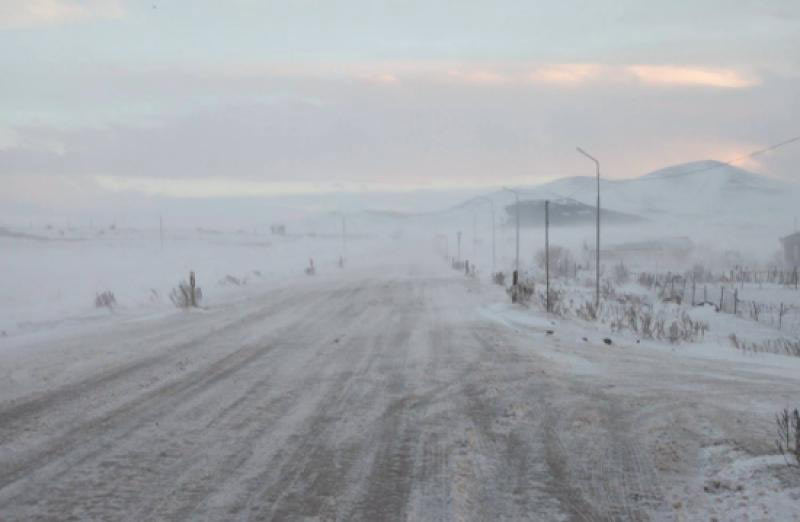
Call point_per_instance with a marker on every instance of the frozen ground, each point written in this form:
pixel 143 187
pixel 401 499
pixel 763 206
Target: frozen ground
pixel 402 393
pixel 50 280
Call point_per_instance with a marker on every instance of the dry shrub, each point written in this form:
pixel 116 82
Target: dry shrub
pixel 621 274
pixel 562 262
pixel 181 295
pixel 522 291
pixel 105 300
pixel 788 432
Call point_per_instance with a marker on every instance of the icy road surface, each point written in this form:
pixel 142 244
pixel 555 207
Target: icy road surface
pixel 397 397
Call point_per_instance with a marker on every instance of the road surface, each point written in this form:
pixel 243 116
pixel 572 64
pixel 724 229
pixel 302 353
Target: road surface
pixel 391 397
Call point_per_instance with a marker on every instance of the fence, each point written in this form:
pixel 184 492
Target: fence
pixel 723 293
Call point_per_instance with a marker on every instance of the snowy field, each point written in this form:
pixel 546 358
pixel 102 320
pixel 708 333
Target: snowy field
pixel 391 389
pixel 50 279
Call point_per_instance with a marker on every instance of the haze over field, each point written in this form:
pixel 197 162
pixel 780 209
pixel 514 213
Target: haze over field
pixel 311 260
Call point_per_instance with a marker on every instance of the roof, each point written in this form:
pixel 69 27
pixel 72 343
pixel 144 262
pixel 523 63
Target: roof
pixel 791 237
pixel 668 243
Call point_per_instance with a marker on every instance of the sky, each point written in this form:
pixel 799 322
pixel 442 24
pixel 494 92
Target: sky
pixel 117 99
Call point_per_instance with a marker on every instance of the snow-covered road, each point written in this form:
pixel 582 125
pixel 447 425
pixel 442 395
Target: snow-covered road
pixel 382 397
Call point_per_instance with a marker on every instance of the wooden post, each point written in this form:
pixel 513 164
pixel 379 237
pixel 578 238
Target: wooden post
pixel 693 287
pixel 735 300
pixel 514 288
pixel 705 294
pixel 721 296
pixel 780 317
pixel 192 286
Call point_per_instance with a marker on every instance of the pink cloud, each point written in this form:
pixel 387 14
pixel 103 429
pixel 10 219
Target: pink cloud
pixel 34 13
pixel 692 76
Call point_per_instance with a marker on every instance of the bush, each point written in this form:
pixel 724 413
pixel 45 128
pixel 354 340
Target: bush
pixel 105 300
pixel 562 263
pixel 587 311
pixel 181 296
pixel 232 280
pixel 621 274
pixel 558 305
pixel 521 292
pixel 788 431
pixel 499 278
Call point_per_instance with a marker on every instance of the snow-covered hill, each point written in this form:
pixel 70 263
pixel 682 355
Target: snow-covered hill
pixel 708 190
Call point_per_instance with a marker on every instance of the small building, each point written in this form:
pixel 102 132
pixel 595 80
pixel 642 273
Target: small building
pixel 676 248
pixel 791 249
pixel 278 230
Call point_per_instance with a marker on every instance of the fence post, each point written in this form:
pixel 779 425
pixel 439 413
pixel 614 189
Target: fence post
pixel 705 294
pixel 514 288
pixel 721 295
pixel 192 286
pixel 735 300
pixel 693 290
pixel 780 317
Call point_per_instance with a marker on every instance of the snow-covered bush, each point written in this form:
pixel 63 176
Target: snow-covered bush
pixel 587 311
pixel 499 278
pixel 105 300
pixel 558 302
pixel 781 346
pixel 562 262
pixel 522 291
pixel 621 274
pixel 788 431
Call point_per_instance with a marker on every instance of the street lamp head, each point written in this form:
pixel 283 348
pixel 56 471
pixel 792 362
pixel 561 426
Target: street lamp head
pixel 587 155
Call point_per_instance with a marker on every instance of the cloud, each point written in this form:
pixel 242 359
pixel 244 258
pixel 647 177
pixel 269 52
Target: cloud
pixel 23 14
pixel 567 73
pixel 692 76
pixel 479 76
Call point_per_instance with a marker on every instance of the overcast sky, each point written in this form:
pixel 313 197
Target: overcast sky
pixel 205 98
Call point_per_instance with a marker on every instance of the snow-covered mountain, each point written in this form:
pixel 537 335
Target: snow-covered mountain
pixel 708 190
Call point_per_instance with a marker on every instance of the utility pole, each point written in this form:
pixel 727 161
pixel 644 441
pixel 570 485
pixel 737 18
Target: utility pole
pixel 597 241
pixel 491 206
pixel 344 235
pixel 547 252
pixel 161 231
pixel 516 196
pixel 474 235
pixel 458 236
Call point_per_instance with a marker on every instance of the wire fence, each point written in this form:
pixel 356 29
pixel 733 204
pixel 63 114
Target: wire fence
pixel 729 293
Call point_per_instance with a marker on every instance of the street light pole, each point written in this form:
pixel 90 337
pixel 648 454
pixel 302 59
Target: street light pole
pixel 516 195
pixel 547 253
pixel 491 205
pixel 597 240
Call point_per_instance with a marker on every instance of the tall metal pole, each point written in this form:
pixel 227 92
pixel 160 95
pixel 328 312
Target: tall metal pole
pixel 516 262
pixel 597 241
pixel 493 241
pixel 491 205
pixel 344 235
pixel 474 234
pixel 547 253
pixel 516 196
